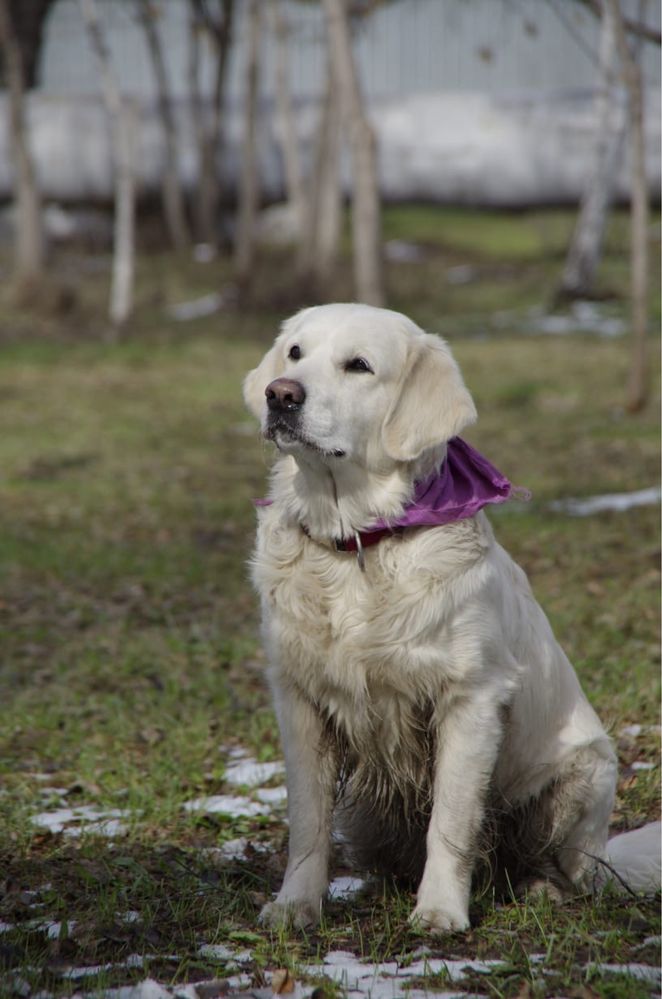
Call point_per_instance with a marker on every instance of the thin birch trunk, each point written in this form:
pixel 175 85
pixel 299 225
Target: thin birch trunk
pixel 330 201
pixel 366 214
pixel 205 231
pixel 121 293
pixel 173 200
pixel 585 249
pixel 223 35
pixel 322 217
pixel 30 240
pixel 208 129
pixel 639 214
pixel 248 180
pixel 288 136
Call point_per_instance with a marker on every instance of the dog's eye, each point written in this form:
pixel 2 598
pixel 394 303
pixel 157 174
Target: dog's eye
pixel 358 364
pixel 295 352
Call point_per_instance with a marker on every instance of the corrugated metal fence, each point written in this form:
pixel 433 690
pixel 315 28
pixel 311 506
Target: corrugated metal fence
pixel 404 47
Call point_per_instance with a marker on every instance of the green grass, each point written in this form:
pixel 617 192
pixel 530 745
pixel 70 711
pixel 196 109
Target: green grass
pixel 130 651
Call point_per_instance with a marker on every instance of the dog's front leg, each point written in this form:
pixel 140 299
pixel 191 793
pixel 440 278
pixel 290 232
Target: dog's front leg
pixel 468 738
pixel 311 781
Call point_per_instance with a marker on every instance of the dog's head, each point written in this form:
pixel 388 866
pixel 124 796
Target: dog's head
pixel 357 383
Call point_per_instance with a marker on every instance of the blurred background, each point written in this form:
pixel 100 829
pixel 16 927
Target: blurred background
pixel 176 178
pixel 218 127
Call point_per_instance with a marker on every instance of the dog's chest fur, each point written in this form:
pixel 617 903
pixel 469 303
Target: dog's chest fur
pixel 371 650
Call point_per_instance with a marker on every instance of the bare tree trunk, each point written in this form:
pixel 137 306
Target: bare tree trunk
pixel 30 242
pixel 248 181
pixel 585 249
pixel 205 230
pixel 289 139
pixel 173 201
pixel 639 213
pixel 121 294
pixel 28 18
pixel 322 217
pixel 208 130
pixel 366 214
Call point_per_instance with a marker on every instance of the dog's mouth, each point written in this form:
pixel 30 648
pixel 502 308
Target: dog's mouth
pixel 284 436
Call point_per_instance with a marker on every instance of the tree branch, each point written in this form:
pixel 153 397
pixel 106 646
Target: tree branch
pixel 644 31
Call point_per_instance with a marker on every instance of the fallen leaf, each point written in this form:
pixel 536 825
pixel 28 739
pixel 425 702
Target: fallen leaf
pixel 282 982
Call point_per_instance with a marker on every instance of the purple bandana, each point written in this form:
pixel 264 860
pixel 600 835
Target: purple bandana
pixel 465 483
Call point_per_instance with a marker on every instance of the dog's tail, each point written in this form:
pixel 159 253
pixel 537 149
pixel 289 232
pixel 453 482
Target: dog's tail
pixel 636 858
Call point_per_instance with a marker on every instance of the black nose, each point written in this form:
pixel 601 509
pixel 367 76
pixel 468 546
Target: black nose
pixel 285 395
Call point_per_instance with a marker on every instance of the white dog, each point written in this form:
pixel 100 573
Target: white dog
pixel 420 692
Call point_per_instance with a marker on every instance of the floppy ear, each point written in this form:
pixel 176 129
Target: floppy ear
pixel 432 404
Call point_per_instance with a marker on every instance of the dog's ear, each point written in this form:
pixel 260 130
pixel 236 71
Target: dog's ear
pixel 432 402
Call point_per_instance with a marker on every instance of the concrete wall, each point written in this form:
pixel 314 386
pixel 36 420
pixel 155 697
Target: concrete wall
pixel 474 101
pixel 460 148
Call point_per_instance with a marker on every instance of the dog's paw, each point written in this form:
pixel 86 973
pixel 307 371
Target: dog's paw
pixel 439 920
pixel 298 914
pixel 541 888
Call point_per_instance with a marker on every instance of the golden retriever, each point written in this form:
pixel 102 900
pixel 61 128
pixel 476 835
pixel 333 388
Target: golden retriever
pixel 421 695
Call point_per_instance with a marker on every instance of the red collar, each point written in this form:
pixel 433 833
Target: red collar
pixel 360 540
pixel 364 539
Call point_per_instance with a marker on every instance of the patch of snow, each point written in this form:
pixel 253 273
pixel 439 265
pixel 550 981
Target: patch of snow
pixel 133 961
pixel 340 957
pixel 7 927
pixel 343 888
pixel 430 994
pixel 583 317
pixel 618 502
pixel 216 952
pixel 351 973
pixel 185 992
pixel 227 804
pixel 234 849
pixel 148 989
pixel 249 773
pixel 83 818
pixel 642 765
pixel 636 856
pixel 221 952
pixel 387 980
pixel 52 929
pixel 642 972
pixel 239 981
pixel 108 828
pixel 455 968
pixel 197 308
pixel 636 730
pixel 274 796
pixel 402 251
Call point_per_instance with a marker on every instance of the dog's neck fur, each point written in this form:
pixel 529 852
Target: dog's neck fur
pixel 335 500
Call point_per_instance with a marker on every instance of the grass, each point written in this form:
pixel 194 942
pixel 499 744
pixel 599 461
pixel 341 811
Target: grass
pixel 131 661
